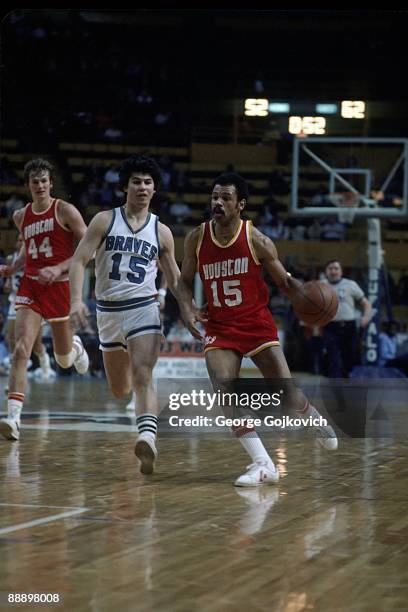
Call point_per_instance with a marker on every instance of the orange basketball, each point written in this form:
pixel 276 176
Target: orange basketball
pixel 315 303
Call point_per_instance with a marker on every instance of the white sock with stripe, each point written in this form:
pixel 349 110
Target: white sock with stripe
pixel 147 425
pixel 252 443
pixel 15 405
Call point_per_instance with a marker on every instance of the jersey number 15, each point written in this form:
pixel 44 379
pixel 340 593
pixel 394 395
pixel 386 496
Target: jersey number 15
pixel 139 271
pixel 230 289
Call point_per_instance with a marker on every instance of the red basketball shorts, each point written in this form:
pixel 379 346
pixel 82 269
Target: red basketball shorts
pixel 52 302
pixel 246 336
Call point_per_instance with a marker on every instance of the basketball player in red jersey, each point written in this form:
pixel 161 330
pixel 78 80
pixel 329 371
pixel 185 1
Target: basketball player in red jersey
pixel 49 228
pixel 230 256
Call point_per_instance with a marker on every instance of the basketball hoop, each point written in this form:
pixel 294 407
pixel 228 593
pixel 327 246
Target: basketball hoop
pixel 347 214
pixel 347 203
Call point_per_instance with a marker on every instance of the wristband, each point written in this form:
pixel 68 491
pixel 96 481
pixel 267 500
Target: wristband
pixel 162 292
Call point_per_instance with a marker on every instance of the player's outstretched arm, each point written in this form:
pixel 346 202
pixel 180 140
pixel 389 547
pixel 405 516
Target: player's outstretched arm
pixel 7 283
pixel 71 219
pixel 189 313
pixel 267 255
pixel 11 268
pixel 84 252
pixel 168 262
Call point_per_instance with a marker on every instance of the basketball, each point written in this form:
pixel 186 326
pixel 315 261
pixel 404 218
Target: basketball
pixel 315 303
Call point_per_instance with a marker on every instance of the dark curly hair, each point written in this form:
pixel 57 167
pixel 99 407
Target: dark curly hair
pixel 140 164
pixel 232 178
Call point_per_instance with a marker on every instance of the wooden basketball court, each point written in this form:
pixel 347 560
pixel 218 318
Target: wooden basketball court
pixel 77 518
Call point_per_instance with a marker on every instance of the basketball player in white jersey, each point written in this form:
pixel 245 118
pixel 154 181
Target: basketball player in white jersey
pixel 129 241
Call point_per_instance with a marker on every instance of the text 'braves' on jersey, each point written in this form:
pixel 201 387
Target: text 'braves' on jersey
pixel 231 274
pixel 126 261
pixel 47 241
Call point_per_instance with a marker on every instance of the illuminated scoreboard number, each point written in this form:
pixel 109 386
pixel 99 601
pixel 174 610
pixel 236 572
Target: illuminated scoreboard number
pixel 256 107
pixel 307 125
pixel 353 109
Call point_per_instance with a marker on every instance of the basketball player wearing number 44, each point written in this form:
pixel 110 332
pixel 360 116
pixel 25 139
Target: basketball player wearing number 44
pixel 230 256
pixel 128 242
pixel 49 227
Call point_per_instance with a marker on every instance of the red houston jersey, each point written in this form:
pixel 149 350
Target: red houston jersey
pixel 231 274
pixel 47 241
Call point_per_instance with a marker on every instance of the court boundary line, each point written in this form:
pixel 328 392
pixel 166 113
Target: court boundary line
pixel 42 506
pixel 41 521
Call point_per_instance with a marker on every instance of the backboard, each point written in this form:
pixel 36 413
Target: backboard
pixel 369 176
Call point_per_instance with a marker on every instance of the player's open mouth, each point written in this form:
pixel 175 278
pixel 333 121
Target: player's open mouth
pixel 218 211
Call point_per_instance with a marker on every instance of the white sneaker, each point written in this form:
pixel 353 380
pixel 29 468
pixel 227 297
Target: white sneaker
pixel 326 436
pixel 10 429
pixel 131 406
pixel 146 452
pixel 81 363
pixel 258 473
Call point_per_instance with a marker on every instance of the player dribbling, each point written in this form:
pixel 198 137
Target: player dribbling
pixel 230 255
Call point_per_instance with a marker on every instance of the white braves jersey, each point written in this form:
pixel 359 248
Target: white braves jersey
pixel 126 261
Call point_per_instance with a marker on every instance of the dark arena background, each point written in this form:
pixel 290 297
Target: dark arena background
pixel 310 107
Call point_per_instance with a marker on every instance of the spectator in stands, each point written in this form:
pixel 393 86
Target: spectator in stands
pixel 13 203
pixel 259 86
pixel 267 212
pixel 314 231
pixel 275 228
pixel 144 97
pixel 162 117
pixel 391 354
pixel 111 176
pixel 180 210
pixel 297 229
pixel 90 196
pixel 332 229
pixel 106 195
pixel 113 133
pixel 263 225
pixel 166 166
pixel 179 180
pixel 387 342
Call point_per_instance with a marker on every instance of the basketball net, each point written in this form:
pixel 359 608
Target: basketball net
pixel 347 203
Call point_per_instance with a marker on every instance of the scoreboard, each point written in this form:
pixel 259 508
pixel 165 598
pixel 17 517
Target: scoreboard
pixel 305 117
